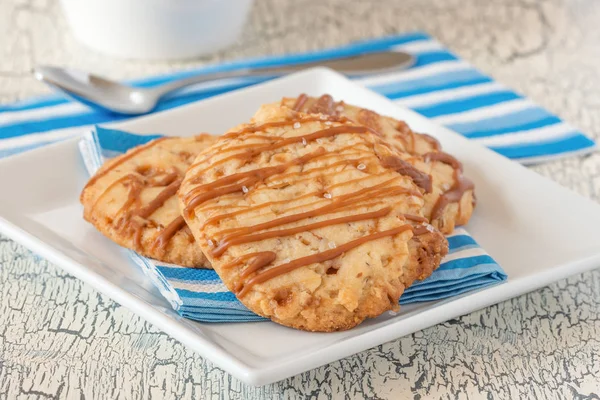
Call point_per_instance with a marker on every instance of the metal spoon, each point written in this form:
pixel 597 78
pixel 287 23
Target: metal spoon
pixel 124 99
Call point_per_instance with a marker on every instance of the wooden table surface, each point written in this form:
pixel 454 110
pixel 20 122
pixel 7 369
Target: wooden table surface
pixel 59 338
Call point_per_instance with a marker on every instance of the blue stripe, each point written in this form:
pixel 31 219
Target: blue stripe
pixel 457 241
pixel 431 81
pixel 217 319
pixel 468 262
pixel 466 247
pixel 423 297
pixel 16 150
pixel 470 103
pixel 431 285
pixel 433 57
pixel 452 286
pixel 529 118
pixel 120 141
pixel 218 296
pixel 545 122
pixel 40 102
pixel 577 142
pixel 189 274
pixel 434 88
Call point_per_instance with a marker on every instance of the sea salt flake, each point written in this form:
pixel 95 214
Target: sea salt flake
pixel 430 228
pixel 286 261
pixel 211 243
pixel 297 125
pixel 328 123
pixel 332 245
pixel 320 141
pixel 361 166
pixel 327 195
pixel 304 141
pixel 244 189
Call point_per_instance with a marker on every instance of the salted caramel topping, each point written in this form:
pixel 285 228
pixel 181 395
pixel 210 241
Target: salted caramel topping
pixel 133 220
pixel 370 119
pixel 323 105
pixel 260 260
pixel 256 265
pixel 170 230
pixel 159 200
pixel 443 157
pixel 456 192
pixel 453 195
pixel 122 160
pixel 225 243
pixel 263 276
pixel 222 186
pixel 420 178
pixel 334 205
pixel 300 101
pixel 415 218
pixel 432 141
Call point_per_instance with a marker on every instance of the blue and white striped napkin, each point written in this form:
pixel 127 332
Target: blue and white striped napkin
pixel 201 295
pixel 440 86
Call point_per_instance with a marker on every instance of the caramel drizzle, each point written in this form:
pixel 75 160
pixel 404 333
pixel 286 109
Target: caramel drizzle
pixel 453 195
pixel 125 157
pixel 167 234
pixel 443 157
pixel 277 142
pixel 235 182
pixel 129 220
pixel 323 105
pixel 231 240
pixel 218 218
pixel 300 101
pixel 350 199
pixel 273 272
pixel 420 178
pixel 456 192
pixel 432 141
pixel 255 262
pixel 275 124
pixel 326 105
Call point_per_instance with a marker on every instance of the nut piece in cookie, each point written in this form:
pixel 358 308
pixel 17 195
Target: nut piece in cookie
pixel 451 200
pixel 132 200
pixel 306 223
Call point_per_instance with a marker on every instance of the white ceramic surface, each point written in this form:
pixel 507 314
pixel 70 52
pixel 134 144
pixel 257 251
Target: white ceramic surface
pixel 156 29
pixel 538 231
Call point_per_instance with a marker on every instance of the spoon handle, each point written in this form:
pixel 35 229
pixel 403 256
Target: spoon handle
pixel 364 64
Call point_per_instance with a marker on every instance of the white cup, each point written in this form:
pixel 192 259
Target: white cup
pixel 157 29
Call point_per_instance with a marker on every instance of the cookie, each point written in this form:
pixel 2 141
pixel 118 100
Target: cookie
pixel 451 200
pixel 307 221
pixel 132 200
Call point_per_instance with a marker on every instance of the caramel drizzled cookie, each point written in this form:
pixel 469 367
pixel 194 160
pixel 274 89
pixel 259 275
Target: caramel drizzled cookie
pixel 451 198
pixel 132 200
pixel 308 221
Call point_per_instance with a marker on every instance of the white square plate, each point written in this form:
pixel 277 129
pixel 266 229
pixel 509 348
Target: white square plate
pixel 538 231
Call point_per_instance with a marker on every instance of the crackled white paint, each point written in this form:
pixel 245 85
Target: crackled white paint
pixel 61 339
